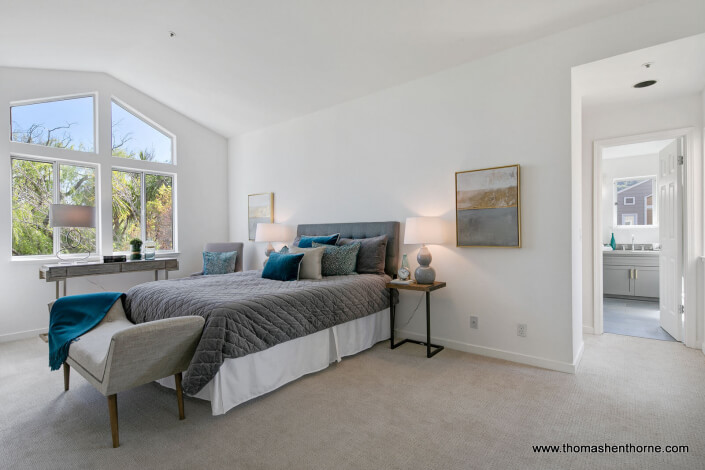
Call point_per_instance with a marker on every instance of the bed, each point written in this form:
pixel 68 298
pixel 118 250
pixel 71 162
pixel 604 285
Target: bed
pixel 261 334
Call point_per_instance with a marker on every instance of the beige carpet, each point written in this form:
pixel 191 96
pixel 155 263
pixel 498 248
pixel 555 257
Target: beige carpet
pixel 379 409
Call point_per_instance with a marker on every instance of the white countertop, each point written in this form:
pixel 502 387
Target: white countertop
pixel 631 253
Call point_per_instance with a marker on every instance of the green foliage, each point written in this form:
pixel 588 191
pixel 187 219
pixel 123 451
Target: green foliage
pixel 33 193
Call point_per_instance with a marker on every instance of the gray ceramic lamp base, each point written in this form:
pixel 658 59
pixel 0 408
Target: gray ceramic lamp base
pixel 424 274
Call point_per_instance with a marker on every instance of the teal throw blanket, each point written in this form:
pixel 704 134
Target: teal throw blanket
pixel 73 316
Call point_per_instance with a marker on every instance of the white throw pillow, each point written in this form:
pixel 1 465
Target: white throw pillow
pixel 311 264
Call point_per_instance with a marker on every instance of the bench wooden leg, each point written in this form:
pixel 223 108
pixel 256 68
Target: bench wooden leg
pixel 67 373
pixel 179 395
pixel 112 407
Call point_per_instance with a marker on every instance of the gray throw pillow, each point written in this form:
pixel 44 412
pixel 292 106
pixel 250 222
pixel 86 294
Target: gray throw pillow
pixel 372 255
pixel 338 260
pixel 311 264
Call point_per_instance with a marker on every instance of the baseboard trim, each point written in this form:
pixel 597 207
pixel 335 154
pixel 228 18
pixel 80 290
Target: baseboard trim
pixel 498 353
pixel 578 357
pixel 21 335
pixel 588 329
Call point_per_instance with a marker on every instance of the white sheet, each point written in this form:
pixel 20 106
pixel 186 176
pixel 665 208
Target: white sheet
pixel 244 378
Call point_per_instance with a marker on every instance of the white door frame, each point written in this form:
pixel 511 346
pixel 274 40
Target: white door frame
pixel 689 247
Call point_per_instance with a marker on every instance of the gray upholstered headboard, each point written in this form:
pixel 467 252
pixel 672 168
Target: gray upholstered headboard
pixel 362 230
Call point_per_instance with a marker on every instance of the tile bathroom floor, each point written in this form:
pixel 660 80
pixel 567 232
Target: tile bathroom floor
pixel 633 318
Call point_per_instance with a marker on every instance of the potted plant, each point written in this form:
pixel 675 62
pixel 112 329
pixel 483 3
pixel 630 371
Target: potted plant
pixel 136 248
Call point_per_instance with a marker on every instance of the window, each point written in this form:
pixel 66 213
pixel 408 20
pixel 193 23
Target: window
pixel 649 208
pixel 142 208
pixel 33 192
pixel 64 123
pixel 634 201
pixel 134 138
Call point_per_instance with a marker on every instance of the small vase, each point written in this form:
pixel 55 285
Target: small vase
pixel 150 249
pixel 404 272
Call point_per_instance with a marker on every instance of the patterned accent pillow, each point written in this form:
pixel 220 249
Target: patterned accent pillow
pixel 215 262
pixel 339 260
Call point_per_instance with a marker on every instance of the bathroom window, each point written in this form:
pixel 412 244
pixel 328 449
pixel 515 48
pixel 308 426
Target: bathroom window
pixel 635 201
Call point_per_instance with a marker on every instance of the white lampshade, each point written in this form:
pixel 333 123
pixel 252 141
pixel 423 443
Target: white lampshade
pixel 67 215
pixel 423 230
pixel 271 233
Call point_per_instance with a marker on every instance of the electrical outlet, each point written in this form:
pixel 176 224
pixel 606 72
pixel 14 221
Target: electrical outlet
pixel 521 330
pixel 474 322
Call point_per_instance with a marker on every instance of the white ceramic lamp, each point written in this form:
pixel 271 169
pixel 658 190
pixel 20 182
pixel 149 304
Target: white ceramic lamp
pixel 70 216
pixel 270 233
pixel 424 230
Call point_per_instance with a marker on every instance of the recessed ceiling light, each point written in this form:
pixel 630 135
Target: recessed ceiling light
pixel 645 84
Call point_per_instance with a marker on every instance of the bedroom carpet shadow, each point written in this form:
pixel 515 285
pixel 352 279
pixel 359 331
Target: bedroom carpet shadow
pixel 379 409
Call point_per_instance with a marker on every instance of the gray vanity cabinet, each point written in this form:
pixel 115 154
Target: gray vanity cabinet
pixel 629 274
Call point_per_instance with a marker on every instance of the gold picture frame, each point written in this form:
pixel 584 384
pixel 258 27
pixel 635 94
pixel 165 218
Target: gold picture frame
pixel 260 209
pixel 488 207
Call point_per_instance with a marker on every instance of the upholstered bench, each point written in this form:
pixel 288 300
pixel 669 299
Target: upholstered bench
pixel 117 355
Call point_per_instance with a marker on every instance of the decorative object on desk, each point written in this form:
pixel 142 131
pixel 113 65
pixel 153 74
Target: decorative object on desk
pixel 114 259
pixel 72 217
pixel 404 273
pixel 150 249
pixel 268 232
pixel 260 209
pixel 424 230
pixel 488 208
pixel 613 243
pixel 135 249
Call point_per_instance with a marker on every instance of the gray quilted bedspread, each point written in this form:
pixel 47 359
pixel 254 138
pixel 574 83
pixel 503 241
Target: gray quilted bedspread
pixel 245 313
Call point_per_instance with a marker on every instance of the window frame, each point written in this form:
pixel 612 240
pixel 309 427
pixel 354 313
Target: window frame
pixel 636 218
pixel 149 122
pixel 56 193
pixel 96 121
pixel 632 203
pixel 143 205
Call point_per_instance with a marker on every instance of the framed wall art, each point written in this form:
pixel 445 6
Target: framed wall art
pixel 260 209
pixel 488 207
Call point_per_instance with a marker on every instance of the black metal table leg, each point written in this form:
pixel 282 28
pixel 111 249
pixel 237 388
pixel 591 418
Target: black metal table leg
pixel 392 314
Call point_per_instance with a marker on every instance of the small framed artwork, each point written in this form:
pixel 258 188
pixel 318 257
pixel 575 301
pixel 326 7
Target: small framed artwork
pixel 488 207
pixel 260 209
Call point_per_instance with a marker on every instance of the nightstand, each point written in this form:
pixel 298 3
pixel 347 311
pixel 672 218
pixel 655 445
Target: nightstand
pixel 427 288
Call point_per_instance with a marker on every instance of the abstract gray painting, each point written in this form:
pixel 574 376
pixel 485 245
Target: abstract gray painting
pixel 488 211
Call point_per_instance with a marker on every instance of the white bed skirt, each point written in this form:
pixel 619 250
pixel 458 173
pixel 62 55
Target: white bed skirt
pixel 244 378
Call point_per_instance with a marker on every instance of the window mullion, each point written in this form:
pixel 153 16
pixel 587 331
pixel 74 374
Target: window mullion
pixel 55 200
pixel 143 207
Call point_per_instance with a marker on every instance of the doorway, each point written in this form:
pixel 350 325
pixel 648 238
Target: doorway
pixel 639 232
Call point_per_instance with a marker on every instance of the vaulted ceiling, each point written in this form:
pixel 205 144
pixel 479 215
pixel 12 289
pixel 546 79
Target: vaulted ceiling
pixel 238 65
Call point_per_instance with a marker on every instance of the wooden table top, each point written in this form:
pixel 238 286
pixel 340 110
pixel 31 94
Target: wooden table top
pixel 417 287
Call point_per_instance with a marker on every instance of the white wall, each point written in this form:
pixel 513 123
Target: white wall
pixel 393 154
pixel 622 120
pixel 202 207
pixel 642 165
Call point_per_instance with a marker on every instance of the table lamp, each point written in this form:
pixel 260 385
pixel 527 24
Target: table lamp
pixel 73 217
pixel 270 233
pixel 424 230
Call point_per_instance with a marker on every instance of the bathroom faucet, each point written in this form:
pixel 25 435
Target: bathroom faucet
pixel 632 242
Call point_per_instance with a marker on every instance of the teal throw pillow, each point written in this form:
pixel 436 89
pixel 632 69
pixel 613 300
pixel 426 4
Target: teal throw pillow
pixel 215 262
pixel 307 241
pixel 339 260
pixel 283 267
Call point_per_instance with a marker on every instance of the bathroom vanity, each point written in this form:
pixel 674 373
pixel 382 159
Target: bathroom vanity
pixel 628 273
